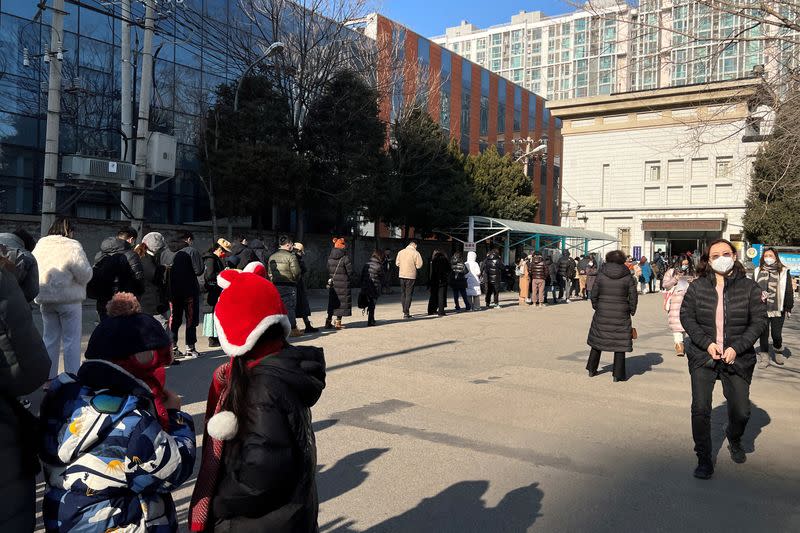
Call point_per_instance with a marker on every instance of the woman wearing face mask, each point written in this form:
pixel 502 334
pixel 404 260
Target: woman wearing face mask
pixel 776 285
pixel 724 315
pixel 676 281
pixel 591 277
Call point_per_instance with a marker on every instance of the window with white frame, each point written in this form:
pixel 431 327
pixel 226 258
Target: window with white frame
pixel 700 169
pixel 699 194
pixel 723 168
pixel 675 195
pixel 652 196
pixel 652 171
pixel 675 170
pixel 723 193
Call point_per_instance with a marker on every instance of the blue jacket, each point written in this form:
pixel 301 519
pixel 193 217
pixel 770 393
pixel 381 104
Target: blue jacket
pixel 647 271
pixel 108 463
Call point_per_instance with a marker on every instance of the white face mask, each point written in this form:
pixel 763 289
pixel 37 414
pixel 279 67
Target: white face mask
pixel 722 265
pixel 769 261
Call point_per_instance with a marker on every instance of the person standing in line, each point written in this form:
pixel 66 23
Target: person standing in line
pixel 473 281
pixel 575 288
pixel 340 270
pixel 582 265
pixel 437 283
pixel 458 281
pixel 17 248
pixel 645 275
pixel 303 306
pixel 117 268
pixel 724 315
pixel 214 264
pixel 591 276
pixel 614 300
pixel 259 457
pixel 659 269
pixel 115 440
pixel 676 282
pixel 242 252
pixel 492 273
pixel 566 271
pixel 552 285
pixel 538 273
pixel 153 300
pixel 523 274
pixel 387 271
pixel 408 262
pixel 259 251
pixel 25 365
pixel 775 281
pixel 284 272
pixel 371 283
pixel 183 291
pixel 64 272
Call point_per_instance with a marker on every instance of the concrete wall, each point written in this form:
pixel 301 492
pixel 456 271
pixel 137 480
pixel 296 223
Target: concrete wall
pixel 91 233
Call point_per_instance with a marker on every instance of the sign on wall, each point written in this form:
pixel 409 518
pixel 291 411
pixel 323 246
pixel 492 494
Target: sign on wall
pixel 637 253
pixel 470 247
pixel 789 257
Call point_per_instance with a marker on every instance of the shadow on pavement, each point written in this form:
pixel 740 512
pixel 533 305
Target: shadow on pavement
pixel 390 354
pixel 347 474
pixel 460 508
pixel 321 425
pixel 759 419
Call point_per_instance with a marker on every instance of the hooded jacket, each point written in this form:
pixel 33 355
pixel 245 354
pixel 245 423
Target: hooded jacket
pixel 154 296
pixel 243 253
pixel 26 268
pixel 181 274
pixel 260 251
pixel 492 269
pixel 267 483
pixel 473 275
pixel 614 300
pixel 117 268
pixel 64 270
pixel 340 270
pixel 109 465
pixel 745 319
pixel 24 366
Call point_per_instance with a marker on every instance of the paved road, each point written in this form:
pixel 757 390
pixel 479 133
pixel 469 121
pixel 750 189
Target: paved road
pixel 487 422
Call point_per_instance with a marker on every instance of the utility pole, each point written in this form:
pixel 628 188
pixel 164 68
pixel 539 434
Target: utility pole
pixel 144 117
pixel 126 146
pixel 53 118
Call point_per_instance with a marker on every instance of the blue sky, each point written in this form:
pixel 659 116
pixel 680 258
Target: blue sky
pixel 431 17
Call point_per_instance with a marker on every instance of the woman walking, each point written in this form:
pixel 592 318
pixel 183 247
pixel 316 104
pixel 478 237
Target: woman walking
pixel 676 281
pixel 64 272
pixel 371 283
pixel 440 274
pixel 340 270
pixel 213 264
pixel 473 281
pixel 259 451
pixel 724 315
pixel 614 300
pixel 775 281
pixel 458 281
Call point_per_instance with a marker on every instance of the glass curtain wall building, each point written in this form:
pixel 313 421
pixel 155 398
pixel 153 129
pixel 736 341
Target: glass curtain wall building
pixel 477 107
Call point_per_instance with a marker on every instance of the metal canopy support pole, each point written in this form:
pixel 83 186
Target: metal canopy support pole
pixel 471 230
pixel 563 244
pixel 507 248
pixel 585 246
pixel 538 242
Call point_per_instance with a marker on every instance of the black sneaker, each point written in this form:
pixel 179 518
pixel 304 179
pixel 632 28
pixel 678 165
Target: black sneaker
pixel 704 470
pixel 190 354
pixel 737 453
pixel 311 329
pixel 177 355
pixel 213 342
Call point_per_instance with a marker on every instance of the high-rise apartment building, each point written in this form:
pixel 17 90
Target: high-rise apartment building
pixel 613 47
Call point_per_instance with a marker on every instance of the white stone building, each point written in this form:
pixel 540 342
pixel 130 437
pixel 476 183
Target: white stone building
pixel 661 169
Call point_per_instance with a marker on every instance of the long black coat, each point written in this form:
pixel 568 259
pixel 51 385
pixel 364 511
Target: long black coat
pixel 492 270
pixel 341 299
pixel 267 482
pixel 745 319
pixel 372 278
pixel 25 365
pixel 303 309
pixel 212 266
pixel 154 297
pixel 440 271
pixel 614 300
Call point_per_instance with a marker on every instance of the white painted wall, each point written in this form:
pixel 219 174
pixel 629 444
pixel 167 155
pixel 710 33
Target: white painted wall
pixel 630 197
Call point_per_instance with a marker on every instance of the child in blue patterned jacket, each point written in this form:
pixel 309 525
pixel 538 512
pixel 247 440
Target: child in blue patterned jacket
pixel 115 442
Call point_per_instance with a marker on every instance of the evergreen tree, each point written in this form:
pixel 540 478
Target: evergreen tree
pixel 500 186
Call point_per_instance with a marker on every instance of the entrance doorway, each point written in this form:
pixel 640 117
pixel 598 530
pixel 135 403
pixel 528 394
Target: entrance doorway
pixel 681 242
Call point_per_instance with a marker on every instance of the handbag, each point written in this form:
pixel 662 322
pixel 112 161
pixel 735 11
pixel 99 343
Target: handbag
pixel 329 285
pixel 209 327
pixel 634 334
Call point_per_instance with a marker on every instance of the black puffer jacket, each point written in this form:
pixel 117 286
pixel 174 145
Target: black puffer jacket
pixel 341 276
pixel 458 273
pixel 244 253
pixel 372 278
pixel 492 270
pixel 154 296
pixel 24 365
pixel 440 271
pixel 212 266
pixel 537 268
pixel 303 309
pixel 117 268
pixel 566 266
pixel 267 482
pixel 259 251
pixel 745 319
pixel 614 299
pixel 181 278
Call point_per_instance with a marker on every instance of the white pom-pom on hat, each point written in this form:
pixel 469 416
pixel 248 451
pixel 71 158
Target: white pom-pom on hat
pixel 223 425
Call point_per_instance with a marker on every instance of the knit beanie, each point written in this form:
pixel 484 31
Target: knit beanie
pixel 155 241
pixel 126 331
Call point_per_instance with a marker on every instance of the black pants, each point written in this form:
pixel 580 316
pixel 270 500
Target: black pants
pixel 619 363
pixel 190 307
pixel 437 300
pixel 406 294
pixel 371 310
pixel 775 324
pixel 101 309
pixel 462 292
pixel 737 393
pixel 492 290
pixel 575 288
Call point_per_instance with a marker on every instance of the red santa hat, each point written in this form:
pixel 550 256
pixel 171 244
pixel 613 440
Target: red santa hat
pixel 257 268
pixel 248 306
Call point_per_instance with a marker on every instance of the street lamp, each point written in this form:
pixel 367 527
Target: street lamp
pixel 273 48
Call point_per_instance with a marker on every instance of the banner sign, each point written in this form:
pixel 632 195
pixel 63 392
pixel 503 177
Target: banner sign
pixel 790 256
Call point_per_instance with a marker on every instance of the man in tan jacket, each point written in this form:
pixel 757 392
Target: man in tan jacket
pixel 408 261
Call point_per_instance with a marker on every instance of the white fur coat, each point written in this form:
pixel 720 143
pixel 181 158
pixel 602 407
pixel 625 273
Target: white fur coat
pixel 64 270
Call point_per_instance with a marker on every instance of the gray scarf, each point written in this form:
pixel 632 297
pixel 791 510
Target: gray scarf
pixel 768 278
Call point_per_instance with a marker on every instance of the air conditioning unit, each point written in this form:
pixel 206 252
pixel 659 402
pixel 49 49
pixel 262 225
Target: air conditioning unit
pixel 161 151
pixel 94 169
